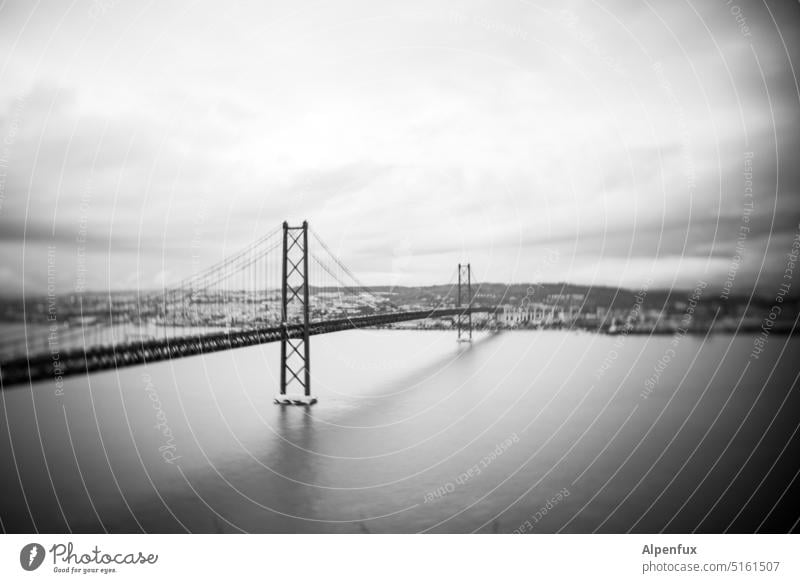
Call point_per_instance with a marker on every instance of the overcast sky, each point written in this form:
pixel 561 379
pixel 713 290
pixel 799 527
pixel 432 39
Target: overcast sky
pixel 411 137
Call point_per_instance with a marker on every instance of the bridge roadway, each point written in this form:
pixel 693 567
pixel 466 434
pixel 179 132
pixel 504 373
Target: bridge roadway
pixel 56 366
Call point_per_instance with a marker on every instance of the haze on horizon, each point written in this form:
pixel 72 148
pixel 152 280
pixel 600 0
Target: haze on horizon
pixel 150 140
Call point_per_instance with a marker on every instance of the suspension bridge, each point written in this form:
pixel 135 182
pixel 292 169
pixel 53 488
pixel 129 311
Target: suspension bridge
pixel 280 288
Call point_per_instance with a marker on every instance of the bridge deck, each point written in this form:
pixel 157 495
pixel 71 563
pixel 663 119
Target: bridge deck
pixel 79 361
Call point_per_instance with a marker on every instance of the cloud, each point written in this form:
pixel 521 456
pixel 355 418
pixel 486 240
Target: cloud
pixel 470 131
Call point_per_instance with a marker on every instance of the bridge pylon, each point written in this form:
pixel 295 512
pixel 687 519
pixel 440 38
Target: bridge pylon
pixel 295 344
pixel 464 320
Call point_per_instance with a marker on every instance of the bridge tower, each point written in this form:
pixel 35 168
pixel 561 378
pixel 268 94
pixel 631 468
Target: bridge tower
pixel 464 320
pixel 295 344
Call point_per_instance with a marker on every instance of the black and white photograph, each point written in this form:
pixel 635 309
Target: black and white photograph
pixel 400 268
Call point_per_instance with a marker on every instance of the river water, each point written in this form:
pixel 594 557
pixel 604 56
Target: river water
pixel 528 431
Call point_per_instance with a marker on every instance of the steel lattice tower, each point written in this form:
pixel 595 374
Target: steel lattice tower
pixel 464 320
pixel 295 347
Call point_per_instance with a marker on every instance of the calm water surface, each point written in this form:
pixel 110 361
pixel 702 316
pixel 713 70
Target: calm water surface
pixel 414 432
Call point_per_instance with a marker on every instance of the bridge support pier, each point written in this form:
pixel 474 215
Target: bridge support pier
pixel 295 344
pixel 464 320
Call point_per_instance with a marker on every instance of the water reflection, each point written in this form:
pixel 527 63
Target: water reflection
pixel 390 430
